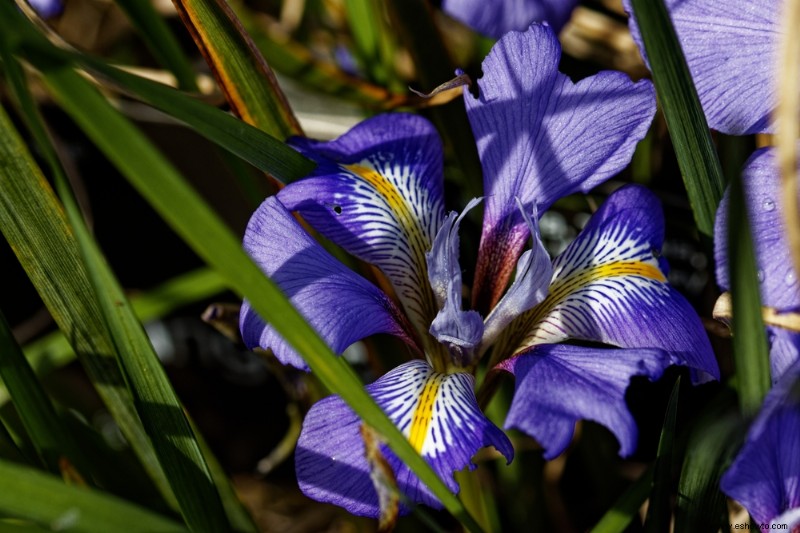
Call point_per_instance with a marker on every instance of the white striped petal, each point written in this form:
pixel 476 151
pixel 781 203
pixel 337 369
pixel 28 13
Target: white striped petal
pixel 377 192
pixel 608 286
pixel 437 412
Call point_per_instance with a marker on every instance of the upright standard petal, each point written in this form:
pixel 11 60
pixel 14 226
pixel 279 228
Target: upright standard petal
pixel 377 192
pixel 541 137
pixel 609 286
pixel 765 476
pixel 439 415
pixel 731 47
pixel 500 17
pixel 341 305
pixel 557 385
pixel 764 200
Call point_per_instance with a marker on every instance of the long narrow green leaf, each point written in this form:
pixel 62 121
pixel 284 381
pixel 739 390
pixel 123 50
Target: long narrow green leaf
pixel 700 167
pixel 53 351
pixel 34 225
pixel 659 512
pixel 160 41
pixel 50 439
pixel 373 39
pixel 158 407
pixel 181 206
pixel 46 500
pixel 750 351
pixel 702 507
pixel 239 517
pixel 618 518
pixel 8 447
pixel 244 75
pixel 248 142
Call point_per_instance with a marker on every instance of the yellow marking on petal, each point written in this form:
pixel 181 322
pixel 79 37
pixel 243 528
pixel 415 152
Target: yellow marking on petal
pixel 561 289
pixel 423 414
pixel 418 242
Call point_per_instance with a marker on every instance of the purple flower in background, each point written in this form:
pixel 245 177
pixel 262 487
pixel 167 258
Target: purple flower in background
pixel 780 289
pixel 499 17
pixel 731 48
pixel 377 192
pixel 47 8
pixel 765 476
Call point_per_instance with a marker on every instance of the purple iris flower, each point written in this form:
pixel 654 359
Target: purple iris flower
pixel 780 289
pixel 377 192
pixel 731 48
pixel 765 476
pixel 502 16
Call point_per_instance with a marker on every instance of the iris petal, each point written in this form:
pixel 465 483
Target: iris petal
pixel 731 48
pixel 608 286
pixel 437 412
pixel 341 305
pixel 534 271
pixel 503 16
pixel 557 385
pixel 461 331
pixel 780 287
pixel 784 350
pixel 765 476
pixel 377 192
pixel 540 137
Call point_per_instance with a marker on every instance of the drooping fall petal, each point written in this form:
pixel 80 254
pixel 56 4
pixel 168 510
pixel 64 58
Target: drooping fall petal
pixel 341 305
pixel 439 415
pixel 557 385
pixel 609 286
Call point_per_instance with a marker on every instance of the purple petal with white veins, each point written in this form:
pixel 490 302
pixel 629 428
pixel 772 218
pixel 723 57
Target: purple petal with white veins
pixel 765 476
pixel 532 283
pixel 784 350
pixel 341 305
pixel 377 193
pixel 541 137
pixel 439 415
pixel 731 47
pixel 764 200
pixel 609 286
pixel 557 385
pixel 502 16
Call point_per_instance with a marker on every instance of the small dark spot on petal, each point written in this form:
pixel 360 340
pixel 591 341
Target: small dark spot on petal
pixel 337 209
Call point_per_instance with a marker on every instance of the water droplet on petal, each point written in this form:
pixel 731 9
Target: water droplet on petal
pixel 760 275
pixel 768 204
pixel 791 278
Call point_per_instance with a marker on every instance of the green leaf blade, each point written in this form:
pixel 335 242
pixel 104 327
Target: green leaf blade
pixel 46 500
pixel 700 167
pixel 750 349
pixel 185 211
